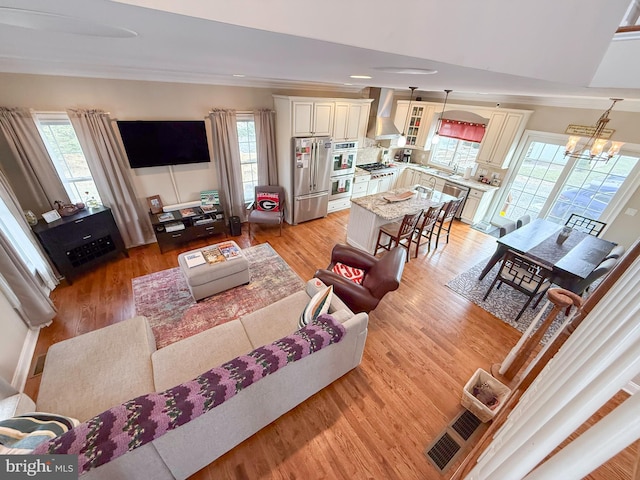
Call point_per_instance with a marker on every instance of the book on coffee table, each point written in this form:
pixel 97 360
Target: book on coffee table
pixel 229 250
pixel 194 259
pixel 213 255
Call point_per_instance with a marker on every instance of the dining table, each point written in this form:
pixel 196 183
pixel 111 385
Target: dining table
pixel 571 261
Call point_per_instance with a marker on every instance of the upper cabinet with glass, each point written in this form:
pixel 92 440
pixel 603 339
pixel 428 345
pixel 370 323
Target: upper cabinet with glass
pixel 416 124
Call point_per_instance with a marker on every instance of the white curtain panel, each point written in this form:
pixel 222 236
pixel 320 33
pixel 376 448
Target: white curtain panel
pixel 111 175
pixel 226 155
pixel 22 237
pixel 26 285
pixel 266 145
pixel 32 158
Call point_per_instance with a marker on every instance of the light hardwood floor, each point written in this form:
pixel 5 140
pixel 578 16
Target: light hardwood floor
pixel 424 343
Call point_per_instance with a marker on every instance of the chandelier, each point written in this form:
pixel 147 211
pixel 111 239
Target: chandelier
pixel 594 147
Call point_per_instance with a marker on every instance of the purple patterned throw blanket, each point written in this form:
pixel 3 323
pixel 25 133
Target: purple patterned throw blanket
pixel 132 424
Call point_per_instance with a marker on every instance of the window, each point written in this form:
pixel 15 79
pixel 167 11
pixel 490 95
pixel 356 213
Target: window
pixel 65 152
pixel 548 184
pixel 24 246
pixel 590 187
pixel 539 171
pixel 248 156
pixel 454 153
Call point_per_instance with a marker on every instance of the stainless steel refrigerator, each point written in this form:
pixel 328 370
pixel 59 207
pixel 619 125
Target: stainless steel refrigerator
pixel 311 183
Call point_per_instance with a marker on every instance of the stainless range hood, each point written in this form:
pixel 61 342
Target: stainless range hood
pixel 381 126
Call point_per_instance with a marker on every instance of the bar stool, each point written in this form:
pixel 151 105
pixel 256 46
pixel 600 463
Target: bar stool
pixel 399 233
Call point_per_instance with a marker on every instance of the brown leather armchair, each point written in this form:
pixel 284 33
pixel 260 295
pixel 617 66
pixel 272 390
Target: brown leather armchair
pixel 381 275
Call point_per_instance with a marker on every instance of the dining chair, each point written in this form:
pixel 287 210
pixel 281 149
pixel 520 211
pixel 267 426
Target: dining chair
pixel 445 219
pixel 399 233
pixel 585 224
pixel 582 286
pixel 507 227
pixel 267 207
pixel 600 271
pixel 425 227
pixel 523 220
pixel 616 252
pixel 522 274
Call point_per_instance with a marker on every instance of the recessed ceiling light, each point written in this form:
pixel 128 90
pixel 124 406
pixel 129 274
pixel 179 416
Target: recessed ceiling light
pixel 238 75
pixel 366 77
pixel 53 22
pixel 407 71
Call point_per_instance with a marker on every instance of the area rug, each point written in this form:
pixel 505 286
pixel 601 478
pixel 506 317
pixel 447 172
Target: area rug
pixel 173 314
pixel 504 303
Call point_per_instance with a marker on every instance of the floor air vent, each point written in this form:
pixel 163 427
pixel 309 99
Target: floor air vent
pixel 443 451
pixel 39 365
pixel 466 424
pixel 446 448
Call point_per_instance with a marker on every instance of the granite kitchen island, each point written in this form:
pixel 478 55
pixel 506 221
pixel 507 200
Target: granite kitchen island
pixel 368 213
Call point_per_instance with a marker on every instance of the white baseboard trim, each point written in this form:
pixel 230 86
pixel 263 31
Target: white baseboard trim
pixel 631 388
pixel 24 362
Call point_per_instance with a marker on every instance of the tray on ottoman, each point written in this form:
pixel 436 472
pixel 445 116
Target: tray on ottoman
pixel 210 278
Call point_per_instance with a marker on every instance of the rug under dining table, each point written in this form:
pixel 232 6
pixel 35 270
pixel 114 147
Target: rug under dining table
pixel 164 298
pixel 504 303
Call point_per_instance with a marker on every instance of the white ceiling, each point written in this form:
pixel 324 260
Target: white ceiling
pixel 544 51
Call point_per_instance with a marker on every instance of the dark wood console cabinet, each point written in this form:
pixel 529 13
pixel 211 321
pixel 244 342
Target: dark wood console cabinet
pixel 78 242
pixel 181 229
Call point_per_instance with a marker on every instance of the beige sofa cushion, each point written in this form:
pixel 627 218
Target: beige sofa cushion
pixel 15 405
pixel 276 320
pixel 85 375
pixel 188 358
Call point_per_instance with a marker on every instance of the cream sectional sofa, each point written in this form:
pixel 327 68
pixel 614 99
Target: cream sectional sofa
pixel 89 374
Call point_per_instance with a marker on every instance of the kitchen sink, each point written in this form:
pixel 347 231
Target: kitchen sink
pixel 440 173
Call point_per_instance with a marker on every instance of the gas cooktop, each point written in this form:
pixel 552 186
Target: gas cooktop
pixel 370 167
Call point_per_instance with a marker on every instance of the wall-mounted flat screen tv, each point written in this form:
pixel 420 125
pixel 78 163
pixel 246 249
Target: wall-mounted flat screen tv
pixel 153 143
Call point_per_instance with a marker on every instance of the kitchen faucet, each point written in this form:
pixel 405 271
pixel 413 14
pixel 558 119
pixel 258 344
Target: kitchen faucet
pixel 432 183
pixel 455 168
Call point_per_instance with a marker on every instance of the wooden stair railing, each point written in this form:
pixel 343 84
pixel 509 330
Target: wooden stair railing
pixel 470 460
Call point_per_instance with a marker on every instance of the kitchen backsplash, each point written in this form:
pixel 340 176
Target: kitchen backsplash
pixel 373 154
pixel 369 155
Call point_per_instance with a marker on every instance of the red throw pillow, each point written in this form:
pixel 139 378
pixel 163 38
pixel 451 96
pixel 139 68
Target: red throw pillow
pixel 354 274
pixel 267 202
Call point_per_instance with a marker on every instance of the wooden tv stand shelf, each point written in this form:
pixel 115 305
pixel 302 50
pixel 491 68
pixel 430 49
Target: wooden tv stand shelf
pixel 181 228
pixel 81 241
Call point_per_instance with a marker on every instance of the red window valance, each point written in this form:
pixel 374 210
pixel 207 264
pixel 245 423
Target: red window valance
pixel 471 132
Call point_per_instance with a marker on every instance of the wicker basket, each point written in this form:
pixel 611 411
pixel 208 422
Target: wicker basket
pixel 474 405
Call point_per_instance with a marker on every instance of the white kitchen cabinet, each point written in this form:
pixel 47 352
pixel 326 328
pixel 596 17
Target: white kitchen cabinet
pixel 387 182
pixel 427 180
pixel 360 185
pixel 407 178
pixel 374 186
pixel 337 205
pixel 416 126
pixel 501 137
pixel 312 118
pixel 359 189
pixel 350 120
pixel 476 205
